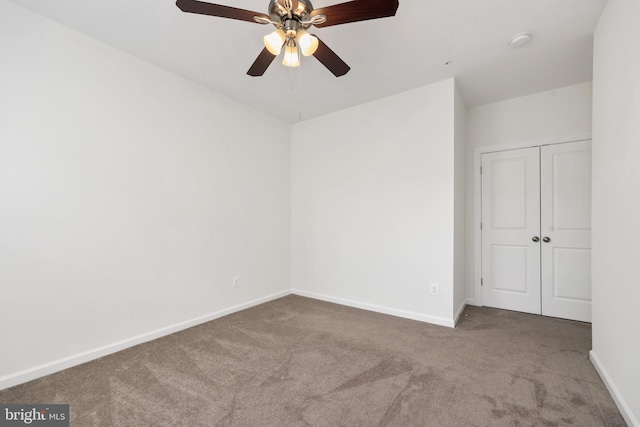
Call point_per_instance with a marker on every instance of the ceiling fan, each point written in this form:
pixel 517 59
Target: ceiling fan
pixel 292 19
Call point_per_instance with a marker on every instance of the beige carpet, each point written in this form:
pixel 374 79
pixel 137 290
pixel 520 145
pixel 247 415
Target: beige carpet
pixel 301 362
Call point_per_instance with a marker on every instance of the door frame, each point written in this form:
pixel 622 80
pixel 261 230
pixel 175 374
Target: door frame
pixel 477 198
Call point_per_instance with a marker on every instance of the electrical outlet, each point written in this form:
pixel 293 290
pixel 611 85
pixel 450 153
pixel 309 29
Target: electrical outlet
pixel 434 289
pixel 236 281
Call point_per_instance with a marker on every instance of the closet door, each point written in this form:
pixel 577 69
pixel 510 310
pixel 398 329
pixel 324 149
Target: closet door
pixel 566 230
pixel 510 230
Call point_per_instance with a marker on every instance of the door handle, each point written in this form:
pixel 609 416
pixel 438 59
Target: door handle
pixel 546 240
pixel 536 239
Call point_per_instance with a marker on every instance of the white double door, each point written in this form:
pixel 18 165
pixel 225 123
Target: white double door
pixel 536 230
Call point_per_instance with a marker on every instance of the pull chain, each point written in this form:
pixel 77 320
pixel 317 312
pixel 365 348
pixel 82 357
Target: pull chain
pixel 291 78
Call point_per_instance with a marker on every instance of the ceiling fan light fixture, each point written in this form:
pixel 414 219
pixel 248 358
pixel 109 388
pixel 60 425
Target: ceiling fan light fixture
pixel 292 18
pixel 274 41
pixel 308 43
pixel 291 58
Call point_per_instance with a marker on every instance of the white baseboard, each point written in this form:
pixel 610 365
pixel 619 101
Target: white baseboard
pixel 628 416
pixel 441 321
pixel 77 359
pixel 30 374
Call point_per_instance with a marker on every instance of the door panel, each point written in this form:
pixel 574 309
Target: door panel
pixel 509 266
pixel 569 181
pixel 571 268
pixel 509 193
pixel 566 221
pixel 511 217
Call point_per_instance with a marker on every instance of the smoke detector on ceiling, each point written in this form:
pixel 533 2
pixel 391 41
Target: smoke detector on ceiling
pixel 520 40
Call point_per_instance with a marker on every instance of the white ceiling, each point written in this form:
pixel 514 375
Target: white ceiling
pixel 386 56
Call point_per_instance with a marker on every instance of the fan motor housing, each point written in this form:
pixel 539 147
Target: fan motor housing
pixel 278 13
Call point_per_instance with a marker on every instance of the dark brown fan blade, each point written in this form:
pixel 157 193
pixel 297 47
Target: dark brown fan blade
pixel 356 10
pixel 329 59
pixel 261 63
pixel 202 8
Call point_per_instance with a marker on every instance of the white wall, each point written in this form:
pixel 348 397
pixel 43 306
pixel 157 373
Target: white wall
pixel 616 204
pixel 129 198
pixel 373 205
pixel 558 115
